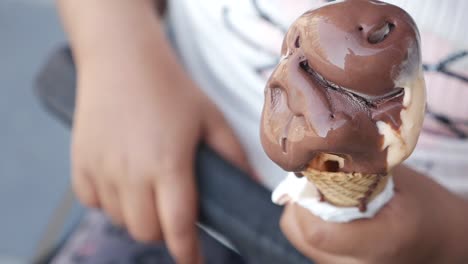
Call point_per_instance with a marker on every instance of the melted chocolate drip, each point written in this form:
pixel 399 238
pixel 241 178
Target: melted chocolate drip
pixel 364 200
pixel 336 80
pixel 299 174
pixel 321 196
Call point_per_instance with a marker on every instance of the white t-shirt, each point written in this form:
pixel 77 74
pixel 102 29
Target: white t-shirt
pixel 231 46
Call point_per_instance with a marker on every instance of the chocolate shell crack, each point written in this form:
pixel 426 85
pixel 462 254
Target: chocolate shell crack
pixel 372 102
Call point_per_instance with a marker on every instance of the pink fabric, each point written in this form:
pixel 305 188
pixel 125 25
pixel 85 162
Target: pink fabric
pixel 445 95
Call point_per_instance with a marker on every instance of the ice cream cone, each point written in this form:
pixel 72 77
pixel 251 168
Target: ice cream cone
pixel 347 189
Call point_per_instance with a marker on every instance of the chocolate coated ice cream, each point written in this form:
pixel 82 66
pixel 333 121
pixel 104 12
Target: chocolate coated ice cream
pixel 342 87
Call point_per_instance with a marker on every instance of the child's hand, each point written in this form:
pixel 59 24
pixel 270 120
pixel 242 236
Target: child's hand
pixel 136 130
pixel 138 121
pixel 423 223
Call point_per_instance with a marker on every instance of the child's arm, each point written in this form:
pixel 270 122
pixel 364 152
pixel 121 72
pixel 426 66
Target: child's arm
pixel 138 121
pixel 423 223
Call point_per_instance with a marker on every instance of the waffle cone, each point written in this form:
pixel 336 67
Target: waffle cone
pixel 347 189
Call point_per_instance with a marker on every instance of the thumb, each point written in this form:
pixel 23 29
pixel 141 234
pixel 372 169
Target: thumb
pixel 220 136
pixel 340 239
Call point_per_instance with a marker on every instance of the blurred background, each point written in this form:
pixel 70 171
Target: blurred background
pixel 34 147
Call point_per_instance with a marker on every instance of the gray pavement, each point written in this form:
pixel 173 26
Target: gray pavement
pixel 34 164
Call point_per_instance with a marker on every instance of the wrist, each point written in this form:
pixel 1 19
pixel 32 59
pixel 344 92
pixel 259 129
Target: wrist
pixel 101 29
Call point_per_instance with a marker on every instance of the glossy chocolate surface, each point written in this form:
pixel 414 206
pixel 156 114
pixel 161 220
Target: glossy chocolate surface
pixel 335 81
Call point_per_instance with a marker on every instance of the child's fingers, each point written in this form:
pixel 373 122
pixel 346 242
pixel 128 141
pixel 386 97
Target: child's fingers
pixel 110 202
pixel 314 243
pixel 140 211
pixel 295 235
pixel 220 136
pixel 84 187
pixel 177 204
pixel 352 239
